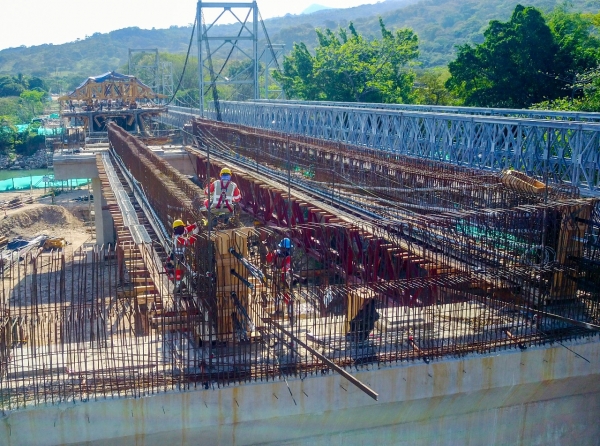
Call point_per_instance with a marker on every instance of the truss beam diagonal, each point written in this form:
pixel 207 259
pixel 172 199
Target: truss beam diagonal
pixel 556 150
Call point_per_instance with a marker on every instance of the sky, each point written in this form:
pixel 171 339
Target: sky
pixel 35 22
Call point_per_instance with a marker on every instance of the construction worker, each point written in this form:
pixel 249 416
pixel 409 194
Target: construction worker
pixel 183 235
pixel 225 193
pixel 281 260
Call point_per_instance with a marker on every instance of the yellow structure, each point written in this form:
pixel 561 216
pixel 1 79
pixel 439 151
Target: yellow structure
pixel 113 86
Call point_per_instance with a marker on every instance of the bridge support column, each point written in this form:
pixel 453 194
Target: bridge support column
pixel 105 233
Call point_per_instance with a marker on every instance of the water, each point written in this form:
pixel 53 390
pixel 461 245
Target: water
pixel 15 180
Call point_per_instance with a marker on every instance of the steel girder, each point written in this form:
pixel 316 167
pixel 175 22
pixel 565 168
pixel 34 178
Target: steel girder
pixel 563 151
pixel 357 251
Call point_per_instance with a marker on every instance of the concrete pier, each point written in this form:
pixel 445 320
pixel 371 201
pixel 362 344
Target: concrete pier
pixel 540 396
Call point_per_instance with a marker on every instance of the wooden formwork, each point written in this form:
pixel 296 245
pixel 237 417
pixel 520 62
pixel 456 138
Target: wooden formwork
pixel 570 245
pixel 226 282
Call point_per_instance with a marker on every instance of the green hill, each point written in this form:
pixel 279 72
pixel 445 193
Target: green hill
pixel 440 25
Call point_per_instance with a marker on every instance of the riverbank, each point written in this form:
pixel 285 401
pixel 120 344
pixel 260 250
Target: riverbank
pixel 39 160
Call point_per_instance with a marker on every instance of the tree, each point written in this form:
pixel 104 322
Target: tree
pixel 7 134
pixel 579 46
pixel 9 86
pixel 587 85
pixel 347 67
pixel 36 83
pixel 431 89
pixel 517 65
pixel 33 99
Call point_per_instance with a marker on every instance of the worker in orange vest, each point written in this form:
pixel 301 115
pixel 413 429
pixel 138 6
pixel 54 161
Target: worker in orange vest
pixel 225 193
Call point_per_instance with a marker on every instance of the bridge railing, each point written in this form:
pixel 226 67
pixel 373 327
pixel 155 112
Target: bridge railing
pixel 485 111
pixel 561 151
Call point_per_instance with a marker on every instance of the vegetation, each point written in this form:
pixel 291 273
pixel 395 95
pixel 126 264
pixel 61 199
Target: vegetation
pixel 494 53
pixel 351 68
pixel 524 61
pixel 430 88
pixel 13 141
pixel 21 99
pixel 440 25
pixel 15 85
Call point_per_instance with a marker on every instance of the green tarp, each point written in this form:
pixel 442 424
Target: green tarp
pixel 49 131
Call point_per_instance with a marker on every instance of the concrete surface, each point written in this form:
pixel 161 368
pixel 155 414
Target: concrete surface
pixel 540 396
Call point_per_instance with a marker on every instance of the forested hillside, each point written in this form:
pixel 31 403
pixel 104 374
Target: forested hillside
pixel 104 52
pixel 439 24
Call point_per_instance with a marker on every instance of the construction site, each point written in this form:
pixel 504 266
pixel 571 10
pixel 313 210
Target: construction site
pixel 393 260
pixel 303 273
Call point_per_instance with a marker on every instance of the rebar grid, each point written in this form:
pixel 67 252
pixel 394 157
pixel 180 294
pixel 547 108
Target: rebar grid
pixel 106 322
pixel 84 326
pixel 168 191
pixel 391 184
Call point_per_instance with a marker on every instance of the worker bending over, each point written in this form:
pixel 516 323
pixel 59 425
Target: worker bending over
pixel 281 260
pixel 225 193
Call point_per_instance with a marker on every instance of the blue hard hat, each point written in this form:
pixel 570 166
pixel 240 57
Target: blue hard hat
pixel 285 243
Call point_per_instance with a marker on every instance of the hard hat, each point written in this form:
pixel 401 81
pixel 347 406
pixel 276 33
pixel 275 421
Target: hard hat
pixel 285 243
pixel 177 223
pixel 225 171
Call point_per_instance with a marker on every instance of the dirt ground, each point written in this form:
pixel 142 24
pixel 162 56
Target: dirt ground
pixel 59 216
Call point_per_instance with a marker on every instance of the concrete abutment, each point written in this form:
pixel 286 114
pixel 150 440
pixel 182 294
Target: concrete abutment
pixel 513 397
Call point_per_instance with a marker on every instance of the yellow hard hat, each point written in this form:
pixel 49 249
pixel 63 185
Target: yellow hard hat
pixel 177 223
pixel 225 171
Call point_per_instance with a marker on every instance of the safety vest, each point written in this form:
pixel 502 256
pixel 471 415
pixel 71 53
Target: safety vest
pixel 223 195
pixel 181 241
pixel 179 244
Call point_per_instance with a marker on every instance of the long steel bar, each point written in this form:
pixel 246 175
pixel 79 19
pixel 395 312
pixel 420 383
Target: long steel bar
pixel 358 383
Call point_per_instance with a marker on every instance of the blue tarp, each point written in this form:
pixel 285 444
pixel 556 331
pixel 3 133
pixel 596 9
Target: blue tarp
pixel 17 243
pixel 108 76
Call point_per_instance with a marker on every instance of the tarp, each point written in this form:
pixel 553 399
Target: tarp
pixel 38 182
pixel 49 131
pixel 108 76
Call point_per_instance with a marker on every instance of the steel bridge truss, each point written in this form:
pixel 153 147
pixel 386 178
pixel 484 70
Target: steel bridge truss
pixel 561 115
pixel 212 43
pixel 559 151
